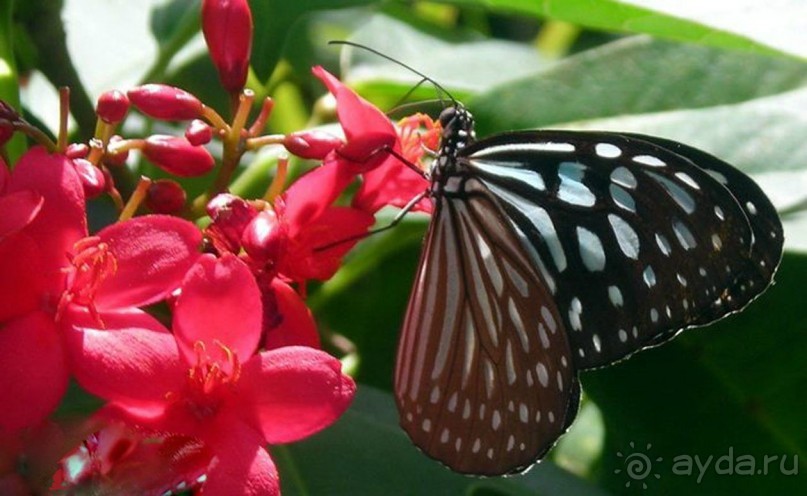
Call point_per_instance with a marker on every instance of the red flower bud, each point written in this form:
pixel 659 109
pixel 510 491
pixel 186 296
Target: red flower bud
pixel 7 116
pixel 77 150
pixel 178 156
pixel 112 106
pixel 198 132
pixel 115 159
pixel 227 26
pixel 165 102
pixel 264 238
pixel 311 144
pixel 165 196
pixel 92 178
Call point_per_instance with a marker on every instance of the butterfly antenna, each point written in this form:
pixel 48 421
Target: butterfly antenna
pixel 398 62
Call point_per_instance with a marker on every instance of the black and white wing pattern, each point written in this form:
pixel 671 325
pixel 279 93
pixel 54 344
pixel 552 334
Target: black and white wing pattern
pixel 484 377
pixel 635 237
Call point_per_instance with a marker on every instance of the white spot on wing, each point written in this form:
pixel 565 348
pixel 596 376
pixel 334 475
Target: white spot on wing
pixel 663 244
pixel 607 150
pixel 623 177
pixel 625 235
pixel 677 193
pixel 684 235
pixel 571 189
pixel 686 179
pixel 622 198
pixel 591 249
pixel 549 319
pixel 545 146
pixel 543 374
pixel 615 295
pixel 649 160
pixel 575 309
pixel 649 277
pixel 527 177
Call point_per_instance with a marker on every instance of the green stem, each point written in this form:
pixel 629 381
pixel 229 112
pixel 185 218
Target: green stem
pixel 9 88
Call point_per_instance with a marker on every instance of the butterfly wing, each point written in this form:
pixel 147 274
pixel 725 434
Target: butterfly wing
pixel 636 240
pixel 484 379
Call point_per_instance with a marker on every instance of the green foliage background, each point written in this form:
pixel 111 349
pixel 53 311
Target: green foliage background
pixel 731 80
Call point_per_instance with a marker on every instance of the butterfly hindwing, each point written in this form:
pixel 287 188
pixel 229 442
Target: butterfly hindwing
pixel 634 241
pixel 484 378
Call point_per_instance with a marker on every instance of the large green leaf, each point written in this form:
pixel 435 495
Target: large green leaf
pixel 744 24
pixel 632 76
pixel 274 19
pixel 366 452
pixel 734 389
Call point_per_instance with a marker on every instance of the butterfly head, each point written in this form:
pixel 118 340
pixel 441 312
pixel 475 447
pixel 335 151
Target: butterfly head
pixel 458 127
pixel 458 132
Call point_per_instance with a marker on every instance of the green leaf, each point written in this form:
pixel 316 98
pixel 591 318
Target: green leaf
pixel 274 20
pixel 366 452
pixel 461 62
pixel 632 76
pixel 744 24
pixel 736 388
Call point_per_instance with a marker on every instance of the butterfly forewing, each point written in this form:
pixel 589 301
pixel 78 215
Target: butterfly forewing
pixel 633 240
pixel 768 236
pixel 484 378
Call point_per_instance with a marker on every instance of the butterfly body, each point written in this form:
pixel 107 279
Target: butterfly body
pixel 551 252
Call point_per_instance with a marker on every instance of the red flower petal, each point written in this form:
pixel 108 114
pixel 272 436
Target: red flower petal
pixel 241 464
pixel 23 286
pixel 62 219
pixel 133 360
pixel 34 375
pixel 220 303
pixel 357 116
pixel 368 131
pixel 18 210
pixel 304 258
pixel 293 392
pixel 309 196
pixel 152 255
pixel 393 184
pixel 296 325
pixel 5 175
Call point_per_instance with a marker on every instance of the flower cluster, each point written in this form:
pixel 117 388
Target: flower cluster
pixel 198 340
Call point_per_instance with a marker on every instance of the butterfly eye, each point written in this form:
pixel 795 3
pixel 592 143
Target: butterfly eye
pixel 447 117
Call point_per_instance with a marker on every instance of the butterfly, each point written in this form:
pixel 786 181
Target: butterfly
pixel 551 252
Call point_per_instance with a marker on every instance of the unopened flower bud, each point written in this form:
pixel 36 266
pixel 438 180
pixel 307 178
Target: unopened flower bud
pixel 264 238
pixel 198 132
pixel 92 178
pixel 76 150
pixel 178 156
pixel 165 196
pixel 313 144
pixel 113 159
pixel 227 26
pixel 161 101
pixel 112 106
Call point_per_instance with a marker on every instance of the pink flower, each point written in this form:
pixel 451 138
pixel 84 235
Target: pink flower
pixel 308 222
pixel 208 381
pixel 51 270
pixel 372 143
